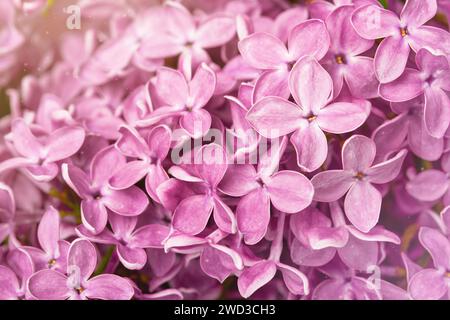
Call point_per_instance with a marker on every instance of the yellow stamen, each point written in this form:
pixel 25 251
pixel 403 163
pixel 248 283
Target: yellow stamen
pixel 403 32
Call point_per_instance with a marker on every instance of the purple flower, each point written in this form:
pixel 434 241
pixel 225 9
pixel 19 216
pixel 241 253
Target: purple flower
pixel 97 195
pixel 76 283
pixel 433 81
pixel 266 52
pixel 400 34
pixel 363 200
pixel 14 277
pixel 311 115
pixel 130 243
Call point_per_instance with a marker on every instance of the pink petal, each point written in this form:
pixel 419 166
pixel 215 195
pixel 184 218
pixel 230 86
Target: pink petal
pixel 149 236
pixel 422 143
pixel 224 217
pixel 310 85
pixel 263 51
pixel 417 12
pixel 129 202
pixel 274 117
pixel 131 144
pixel 171 87
pixel 374 22
pixel 129 174
pixel 103 165
pixel 24 141
pixel 428 284
pixel 407 87
pixel 294 279
pixel 387 171
pixel 362 205
pixel 359 254
pixel 290 191
pixel 196 123
pixel 253 215
pixel 331 185
pixel 342 33
pixel 83 256
pixel 49 285
pixel 305 256
pixel 48 231
pixel 93 215
pixel 132 258
pixel 391 58
pixel 9 285
pixel 155 177
pixel 428 185
pixel 437 112
pixel 437 245
pixel 239 180
pixel 360 78
pixel 341 117
pixel 64 142
pixel 109 287
pixel 309 38
pixel 272 83
pixel 159 139
pixel 435 39
pixel 215 32
pixel 358 153
pixel 77 179
pixel 211 164
pixel 255 277
pixel 311 146
pixel 183 219
pixel 201 87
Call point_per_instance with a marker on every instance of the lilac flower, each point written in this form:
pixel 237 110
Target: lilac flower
pixel 184 99
pixel 433 81
pixel 96 194
pixel 53 252
pixel 400 34
pixel 76 283
pixel 344 61
pixel 208 169
pixel 42 153
pixel 183 35
pixel 312 89
pixel 432 184
pixel 130 243
pixel 266 52
pixel 408 125
pixel 13 278
pixel 363 201
pixel 149 153
pixel 287 190
pixel 432 283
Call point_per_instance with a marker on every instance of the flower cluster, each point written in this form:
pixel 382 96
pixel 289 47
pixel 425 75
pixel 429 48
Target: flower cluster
pixel 266 149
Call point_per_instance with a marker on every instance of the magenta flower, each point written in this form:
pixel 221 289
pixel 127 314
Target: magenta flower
pixel 76 283
pixel 432 283
pixel 431 80
pixel 312 89
pixel 130 243
pixel 343 61
pixel 53 252
pixel 408 125
pixel 208 169
pixel 149 155
pixel 286 190
pixel 184 99
pixel 355 179
pixel 42 153
pixel 400 34
pixel 14 276
pixel 96 194
pixel 266 52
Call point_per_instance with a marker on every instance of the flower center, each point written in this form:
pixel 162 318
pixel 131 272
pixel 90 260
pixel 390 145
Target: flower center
pixel 359 175
pixel 51 262
pixel 79 290
pixel 312 117
pixel 403 32
pixel 340 59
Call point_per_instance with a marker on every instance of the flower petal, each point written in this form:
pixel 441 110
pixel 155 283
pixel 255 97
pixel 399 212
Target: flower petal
pixel 341 117
pixel 109 287
pixel 331 185
pixel 309 38
pixel 49 285
pixel 391 58
pixel 408 86
pixel 255 277
pixel 192 224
